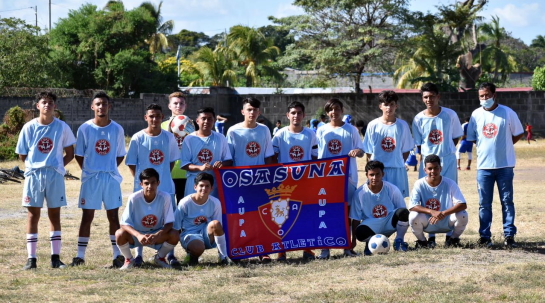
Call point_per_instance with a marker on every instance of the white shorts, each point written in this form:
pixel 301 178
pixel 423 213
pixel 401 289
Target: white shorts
pixel 201 235
pixel 44 183
pixel 100 188
pixel 398 177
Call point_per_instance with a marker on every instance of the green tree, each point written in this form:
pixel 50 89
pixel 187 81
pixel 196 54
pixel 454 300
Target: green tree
pixel 539 41
pixel 158 40
pixel 538 80
pixel 494 58
pixel 212 67
pixel 255 52
pixel 345 37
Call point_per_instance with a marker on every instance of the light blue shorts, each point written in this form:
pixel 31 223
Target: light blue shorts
pixel 138 244
pixel 187 237
pixel 398 177
pixel 381 226
pixel 44 183
pixel 351 191
pixel 100 188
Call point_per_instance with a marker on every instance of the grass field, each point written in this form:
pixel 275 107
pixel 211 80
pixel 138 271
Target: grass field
pixel 439 275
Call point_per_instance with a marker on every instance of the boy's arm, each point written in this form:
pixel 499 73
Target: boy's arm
pixel 119 160
pixel 135 233
pixel 79 159
pixel 132 168
pixel 68 154
pixel 22 157
pixel 443 214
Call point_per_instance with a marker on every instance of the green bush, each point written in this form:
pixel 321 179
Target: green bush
pixel 7 146
pixel 14 119
pixel 538 80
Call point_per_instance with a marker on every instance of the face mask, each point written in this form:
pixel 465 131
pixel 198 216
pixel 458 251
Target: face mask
pixel 487 103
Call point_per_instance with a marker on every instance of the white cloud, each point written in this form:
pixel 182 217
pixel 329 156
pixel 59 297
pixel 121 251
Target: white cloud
pixel 285 10
pixel 518 16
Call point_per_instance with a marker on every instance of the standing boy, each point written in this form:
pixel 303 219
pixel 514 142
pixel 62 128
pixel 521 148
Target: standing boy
pixel 465 147
pixel 100 148
pixel 41 144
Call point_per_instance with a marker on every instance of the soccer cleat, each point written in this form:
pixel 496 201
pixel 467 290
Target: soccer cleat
pixel 510 242
pixel 190 260
pixel 226 262
pixel 77 261
pixel 350 253
pixel 468 168
pixel 281 257
pixel 324 254
pixel 485 242
pixel 421 244
pixel 366 250
pixel 129 263
pixel 138 261
pixel 265 259
pixel 173 261
pixel 30 264
pixel 431 242
pixel 161 262
pixel 459 168
pixel 56 262
pixel 308 255
pixel 118 262
pixel 452 242
pixel 399 245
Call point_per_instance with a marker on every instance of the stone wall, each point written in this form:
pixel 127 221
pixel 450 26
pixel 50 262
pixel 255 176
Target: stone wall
pixel 529 105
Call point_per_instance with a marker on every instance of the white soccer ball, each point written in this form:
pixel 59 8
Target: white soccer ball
pixel 379 244
pixel 181 126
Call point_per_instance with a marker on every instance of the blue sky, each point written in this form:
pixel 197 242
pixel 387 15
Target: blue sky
pixel 525 19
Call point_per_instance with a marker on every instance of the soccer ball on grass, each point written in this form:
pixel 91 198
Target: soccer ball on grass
pixel 379 244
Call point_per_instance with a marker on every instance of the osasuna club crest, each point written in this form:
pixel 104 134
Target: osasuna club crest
pixel 388 144
pixel 253 149
pixel 205 156
pixel 296 153
pixel 380 211
pixel 45 145
pixel 334 146
pixel 433 204
pixel 280 213
pixel 490 130
pixel 102 147
pixel 149 221
pixel 436 137
pixel 156 157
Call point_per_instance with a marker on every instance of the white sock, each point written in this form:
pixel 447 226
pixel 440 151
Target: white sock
pixel 222 245
pixel 139 251
pixel 82 246
pixel 126 251
pixel 401 229
pixel 31 244
pixel 115 249
pixel 165 249
pixel 55 238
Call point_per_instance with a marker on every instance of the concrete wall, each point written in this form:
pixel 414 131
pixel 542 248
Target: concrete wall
pixel 530 106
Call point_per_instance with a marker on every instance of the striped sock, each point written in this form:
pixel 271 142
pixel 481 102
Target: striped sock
pixel 55 238
pixel 82 246
pixel 115 249
pixel 31 244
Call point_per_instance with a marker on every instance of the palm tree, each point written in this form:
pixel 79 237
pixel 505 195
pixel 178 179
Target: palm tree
pixel 213 67
pixel 494 59
pixel 114 6
pixel 539 41
pixel 254 51
pixel 158 40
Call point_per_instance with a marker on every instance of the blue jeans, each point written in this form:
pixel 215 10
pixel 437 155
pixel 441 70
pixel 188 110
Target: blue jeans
pixel 485 186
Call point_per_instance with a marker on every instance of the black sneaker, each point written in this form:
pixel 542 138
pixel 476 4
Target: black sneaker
pixel 452 242
pixel 138 261
pixel 431 242
pixel 265 259
pixel 190 260
pixel 485 242
pixel 118 262
pixel 77 261
pixel 56 262
pixel 421 244
pixel 173 261
pixel 30 264
pixel 510 242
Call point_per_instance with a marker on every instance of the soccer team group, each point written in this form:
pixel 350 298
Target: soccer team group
pixel 175 199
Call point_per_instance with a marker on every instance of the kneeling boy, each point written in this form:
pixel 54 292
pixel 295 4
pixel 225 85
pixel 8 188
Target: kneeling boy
pixel 147 221
pixel 199 218
pixel 437 206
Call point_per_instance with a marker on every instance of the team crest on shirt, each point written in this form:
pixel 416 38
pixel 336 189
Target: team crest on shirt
pixel 45 145
pixel 253 149
pixel 149 221
pixel 388 144
pixel 380 211
pixel 179 140
pixel 156 157
pixel 433 204
pixel 200 220
pixel 490 130
pixel 26 200
pixel 102 147
pixel 296 153
pixel 334 146
pixel 205 156
pixel 82 201
pixel 436 137
pixel 280 213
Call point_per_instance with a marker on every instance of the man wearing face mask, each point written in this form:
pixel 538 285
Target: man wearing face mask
pixel 495 128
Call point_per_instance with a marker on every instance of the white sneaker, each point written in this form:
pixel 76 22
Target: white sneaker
pixel 350 253
pixel 161 262
pixel 129 263
pixel 324 255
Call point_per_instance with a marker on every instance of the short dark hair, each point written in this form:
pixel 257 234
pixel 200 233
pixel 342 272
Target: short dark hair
pixel 374 164
pixel 204 177
pixel 46 95
pixel 148 173
pixel 315 123
pixel 429 87
pixel 295 104
pixel 330 103
pixel 252 101
pixel 207 109
pixel 278 121
pixel 360 123
pixel 387 96
pixel 432 159
pixel 154 106
pixel 490 86
pixel 101 95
